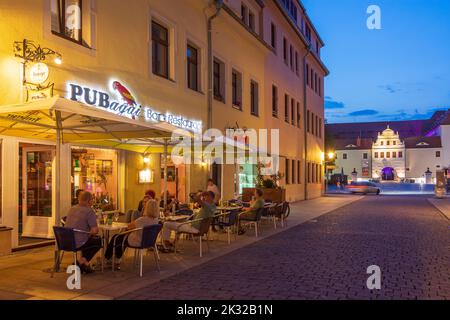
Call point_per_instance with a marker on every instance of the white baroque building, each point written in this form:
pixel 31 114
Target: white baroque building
pixel 392 151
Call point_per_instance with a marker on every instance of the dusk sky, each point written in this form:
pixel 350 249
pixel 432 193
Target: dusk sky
pixel 400 72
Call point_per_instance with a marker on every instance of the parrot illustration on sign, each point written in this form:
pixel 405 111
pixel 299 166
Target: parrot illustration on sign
pixel 126 95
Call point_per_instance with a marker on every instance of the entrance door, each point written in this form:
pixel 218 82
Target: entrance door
pixel 37 195
pixel 387 174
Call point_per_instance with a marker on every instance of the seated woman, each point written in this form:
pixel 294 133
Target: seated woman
pixel 150 216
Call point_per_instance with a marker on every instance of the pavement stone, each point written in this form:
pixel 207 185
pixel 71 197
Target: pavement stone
pixel 404 235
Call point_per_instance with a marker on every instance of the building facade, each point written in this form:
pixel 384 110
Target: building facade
pixel 265 73
pixel 394 151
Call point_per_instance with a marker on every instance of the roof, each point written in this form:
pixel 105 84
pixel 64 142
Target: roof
pixel 406 128
pixel 423 142
pixel 352 144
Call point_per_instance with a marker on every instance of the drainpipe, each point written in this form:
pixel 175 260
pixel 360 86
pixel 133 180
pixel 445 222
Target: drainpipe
pixel 305 120
pixel 218 4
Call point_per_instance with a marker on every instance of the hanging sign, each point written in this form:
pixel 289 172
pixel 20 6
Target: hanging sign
pixel 34 94
pixel 127 105
pixel 38 73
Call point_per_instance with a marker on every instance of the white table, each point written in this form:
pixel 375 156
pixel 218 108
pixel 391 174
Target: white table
pixel 229 208
pixel 107 228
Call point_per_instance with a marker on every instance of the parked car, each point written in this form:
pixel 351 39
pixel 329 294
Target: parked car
pixel 363 187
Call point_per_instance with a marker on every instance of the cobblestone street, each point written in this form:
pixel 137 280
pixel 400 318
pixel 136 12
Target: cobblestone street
pixel 327 258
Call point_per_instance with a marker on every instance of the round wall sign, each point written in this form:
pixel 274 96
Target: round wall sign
pixel 38 73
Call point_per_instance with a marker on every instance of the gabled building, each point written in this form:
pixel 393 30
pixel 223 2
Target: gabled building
pixel 393 151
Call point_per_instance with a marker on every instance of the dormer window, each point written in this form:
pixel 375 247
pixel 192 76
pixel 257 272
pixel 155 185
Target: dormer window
pixel 350 146
pixel 422 144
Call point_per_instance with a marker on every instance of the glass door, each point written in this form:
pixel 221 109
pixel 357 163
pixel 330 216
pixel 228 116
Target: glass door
pixel 37 195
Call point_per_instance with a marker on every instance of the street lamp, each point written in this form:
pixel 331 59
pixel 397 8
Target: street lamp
pixel 331 155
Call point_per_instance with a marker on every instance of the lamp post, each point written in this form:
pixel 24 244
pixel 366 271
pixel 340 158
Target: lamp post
pixel 330 156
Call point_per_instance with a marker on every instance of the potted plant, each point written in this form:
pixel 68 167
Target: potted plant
pixel 269 184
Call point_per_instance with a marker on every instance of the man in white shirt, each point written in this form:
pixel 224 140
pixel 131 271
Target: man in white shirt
pixel 212 187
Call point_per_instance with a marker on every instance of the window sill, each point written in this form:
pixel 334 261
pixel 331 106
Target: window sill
pixel 237 107
pixel 219 99
pixel 254 114
pixel 63 36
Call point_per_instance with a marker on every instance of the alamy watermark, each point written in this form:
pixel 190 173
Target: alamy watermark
pixel 374 280
pixel 374 19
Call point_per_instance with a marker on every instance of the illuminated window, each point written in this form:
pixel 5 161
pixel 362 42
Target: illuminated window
pixel 236 87
pixel 251 21
pixel 382 154
pixel 254 99
pixel 292 112
pixel 66 19
pixel 219 83
pixel 192 67
pixel 160 50
pixel 287 171
pixel 388 155
pixel 394 154
pixel 273 36
pixel 286 108
pixel 274 101
pixel 95 170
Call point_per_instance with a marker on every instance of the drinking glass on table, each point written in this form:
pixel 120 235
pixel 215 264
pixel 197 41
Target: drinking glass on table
pixel 104 218
pixel 116 217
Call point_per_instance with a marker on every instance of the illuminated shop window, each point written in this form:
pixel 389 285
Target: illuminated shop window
pixel 95 170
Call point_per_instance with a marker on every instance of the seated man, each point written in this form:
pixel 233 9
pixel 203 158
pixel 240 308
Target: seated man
pixel 82 217
pixel 150 217
pixel 250 212
pixel 208 209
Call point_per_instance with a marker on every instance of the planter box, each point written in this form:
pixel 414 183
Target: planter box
pixel 274 195
pixel 5 241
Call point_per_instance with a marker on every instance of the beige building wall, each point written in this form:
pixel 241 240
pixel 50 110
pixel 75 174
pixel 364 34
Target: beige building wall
pixel 354 160
pixel 118 46
pixel 419 160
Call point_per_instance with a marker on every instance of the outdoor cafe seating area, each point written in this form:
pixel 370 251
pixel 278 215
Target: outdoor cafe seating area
pixel 225 227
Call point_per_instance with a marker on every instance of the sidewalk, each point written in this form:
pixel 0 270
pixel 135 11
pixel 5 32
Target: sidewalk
pixel 443 205
pixel 25 275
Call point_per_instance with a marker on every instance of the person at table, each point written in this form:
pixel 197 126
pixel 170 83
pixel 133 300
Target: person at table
pixel 250 212
pixel 77 194
pixel 82 217
pixel 149 194
pixel 207 210
pixel 215 189
pixel 150 217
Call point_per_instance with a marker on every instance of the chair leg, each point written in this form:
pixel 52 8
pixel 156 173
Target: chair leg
pixel 141 254
pixel 103 258
pixel 56 263
pixel 229 234
pixel 201 252
pixel 155 251
pixel 256 229
pixel 275 222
